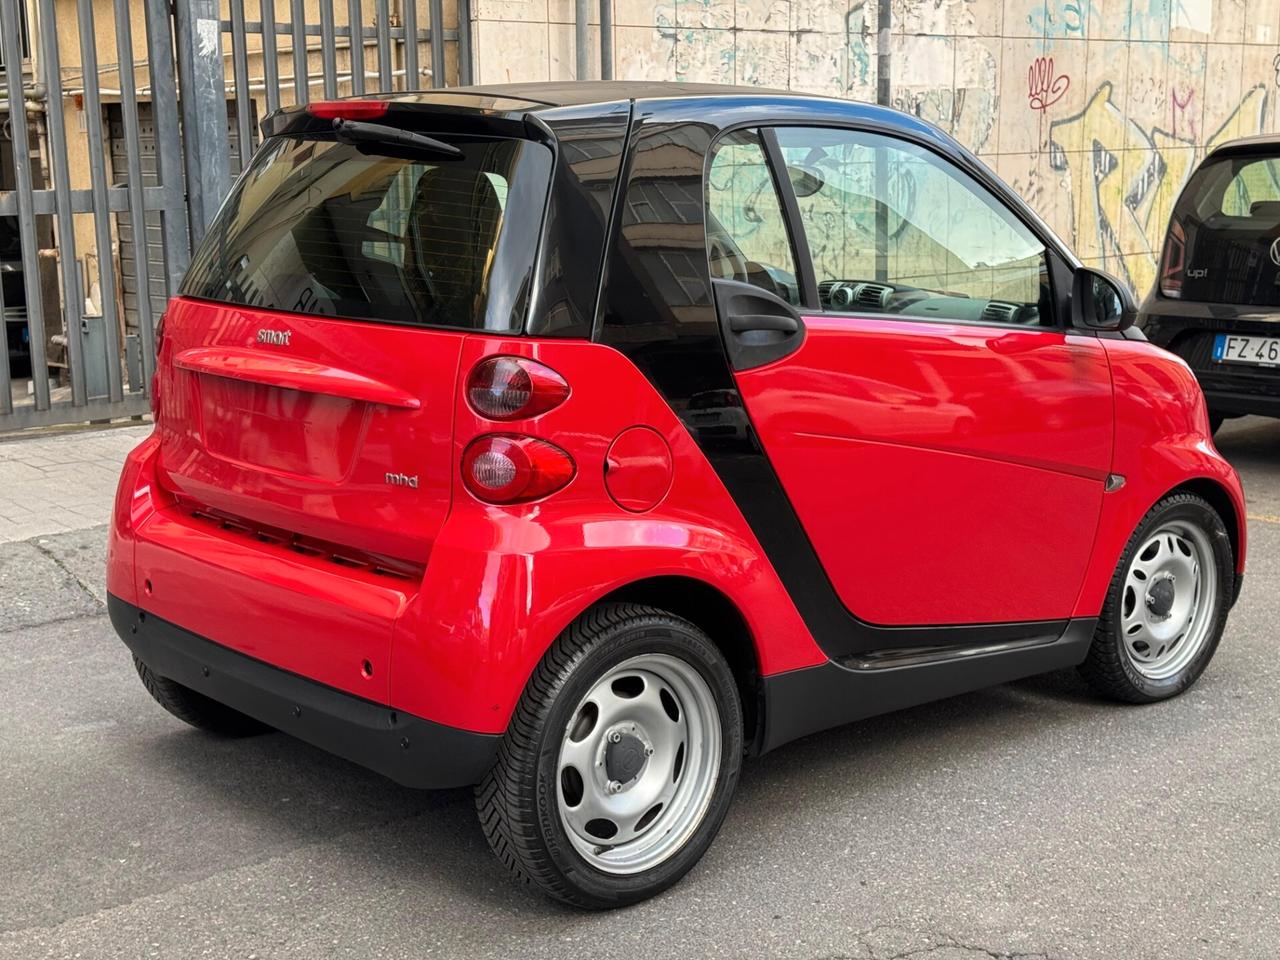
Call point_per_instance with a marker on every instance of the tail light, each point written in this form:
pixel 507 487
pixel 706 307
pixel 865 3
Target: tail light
pixel 1173 261
pixel 155 373
pixel 347 109
pixel 514 388
pixel 501 468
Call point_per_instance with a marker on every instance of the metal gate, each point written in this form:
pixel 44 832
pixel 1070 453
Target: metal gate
pixel 108 177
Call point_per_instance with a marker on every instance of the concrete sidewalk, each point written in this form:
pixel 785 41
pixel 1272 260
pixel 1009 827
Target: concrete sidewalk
pixel 58 483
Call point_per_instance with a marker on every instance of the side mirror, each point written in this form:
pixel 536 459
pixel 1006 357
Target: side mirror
pixel 1100 302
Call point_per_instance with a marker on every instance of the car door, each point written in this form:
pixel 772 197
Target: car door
pixel 941 436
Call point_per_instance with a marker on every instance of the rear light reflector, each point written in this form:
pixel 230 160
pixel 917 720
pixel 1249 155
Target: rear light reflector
pixel 1173 262
pixel 501 468
pixel 347 109
pixel 513 388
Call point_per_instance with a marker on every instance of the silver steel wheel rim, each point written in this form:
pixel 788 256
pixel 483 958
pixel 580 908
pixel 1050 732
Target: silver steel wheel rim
pixel 641 753
pixel 1170 593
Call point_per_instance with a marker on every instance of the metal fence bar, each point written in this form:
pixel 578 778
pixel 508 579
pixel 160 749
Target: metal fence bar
pixel 355 30
pixel 164 97
pixel 341 32
pixel 385 80
pixel 205 141
pixel 43 201
pixel 184 35
pixel 581 39
pixel 134 185
pixel 133 405
pixel 270 51
pixel 72 305
pixel 301 81
pixel 464 42
pixel 240 69
pixel 606 39
pixel 412 78
pixel 6 382
pixel 328 51
pixel 98 178
pixel 10 36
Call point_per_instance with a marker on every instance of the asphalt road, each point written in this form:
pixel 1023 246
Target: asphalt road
pixel 1027 820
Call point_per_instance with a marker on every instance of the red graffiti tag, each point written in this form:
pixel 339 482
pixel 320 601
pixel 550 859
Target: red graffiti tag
pixel 1044 88
pixel 1180 109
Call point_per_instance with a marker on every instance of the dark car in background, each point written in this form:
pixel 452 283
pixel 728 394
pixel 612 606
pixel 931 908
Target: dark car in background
pixel 1217 301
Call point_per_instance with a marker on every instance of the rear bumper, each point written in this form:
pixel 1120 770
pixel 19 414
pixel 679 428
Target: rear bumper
pixel 408 749
pixel 1232 403
pixel 1188 329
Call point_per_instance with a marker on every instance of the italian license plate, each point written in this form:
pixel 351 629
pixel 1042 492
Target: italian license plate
pixel 1231 348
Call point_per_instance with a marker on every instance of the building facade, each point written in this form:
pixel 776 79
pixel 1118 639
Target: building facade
pixel 1096 111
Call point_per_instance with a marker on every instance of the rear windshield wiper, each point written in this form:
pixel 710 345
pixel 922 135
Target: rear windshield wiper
pixel 358 131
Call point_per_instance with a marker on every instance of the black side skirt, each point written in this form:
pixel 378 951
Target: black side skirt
pixel 408 749
pixel 802 702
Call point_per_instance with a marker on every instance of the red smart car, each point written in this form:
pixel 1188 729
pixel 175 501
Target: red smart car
pixel 578 441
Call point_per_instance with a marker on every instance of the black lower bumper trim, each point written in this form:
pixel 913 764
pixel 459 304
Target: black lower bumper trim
pixel 408 749
pixel 1233 403
pixel 805 701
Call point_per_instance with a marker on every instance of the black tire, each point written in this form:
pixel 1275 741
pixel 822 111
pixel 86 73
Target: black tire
pixel 518 800
pixel 195 708
pixel 1215 421
pixel 1108 668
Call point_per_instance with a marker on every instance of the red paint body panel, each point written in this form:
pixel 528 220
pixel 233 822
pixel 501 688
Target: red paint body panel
pixel 304 442
pixel 931 431
pixel 1162 442
pixel 291 373
pixel 638 469
pixel 500 582
pixel 945 473
pixel 503 582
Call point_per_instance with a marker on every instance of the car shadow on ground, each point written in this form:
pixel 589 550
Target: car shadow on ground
pixel 1250 443
pixel 293 795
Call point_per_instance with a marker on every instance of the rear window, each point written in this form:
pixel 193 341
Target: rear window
pixel 319 227
pixel 1221 246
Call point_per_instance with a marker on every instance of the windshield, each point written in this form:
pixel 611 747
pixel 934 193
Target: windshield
pixel 321 227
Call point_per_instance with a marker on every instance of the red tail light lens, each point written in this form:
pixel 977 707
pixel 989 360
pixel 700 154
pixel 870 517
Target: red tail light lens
pixel 155 373
pixel 1174 261
pixel 513 388
pixel 499 468
pixel 347 109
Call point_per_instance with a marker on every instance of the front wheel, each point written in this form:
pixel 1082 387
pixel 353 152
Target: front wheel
pixel 620 761
pixel 1167 604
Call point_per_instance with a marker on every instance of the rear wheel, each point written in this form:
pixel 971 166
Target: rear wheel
pixel 620 762
pixel 195 708
pixel 1215 421
pixel 1167 604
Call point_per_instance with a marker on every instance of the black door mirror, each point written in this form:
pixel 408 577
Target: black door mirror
pixel 1100 302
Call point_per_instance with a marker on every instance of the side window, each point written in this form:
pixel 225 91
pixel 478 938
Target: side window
pixel 895 229
pixel 747 236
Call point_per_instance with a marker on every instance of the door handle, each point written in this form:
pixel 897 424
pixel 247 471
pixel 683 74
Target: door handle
pixel 743 323
pixel 756 326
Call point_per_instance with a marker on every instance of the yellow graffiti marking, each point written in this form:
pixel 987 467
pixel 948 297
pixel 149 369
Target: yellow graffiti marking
pixel 1124 180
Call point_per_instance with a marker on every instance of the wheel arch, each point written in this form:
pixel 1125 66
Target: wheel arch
pixel 711 611
pixel 1217 496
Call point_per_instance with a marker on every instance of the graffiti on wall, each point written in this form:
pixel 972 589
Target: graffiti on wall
pixel 1045 86
pixel 1124 178
pixel 1118 106
pixel 965 106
